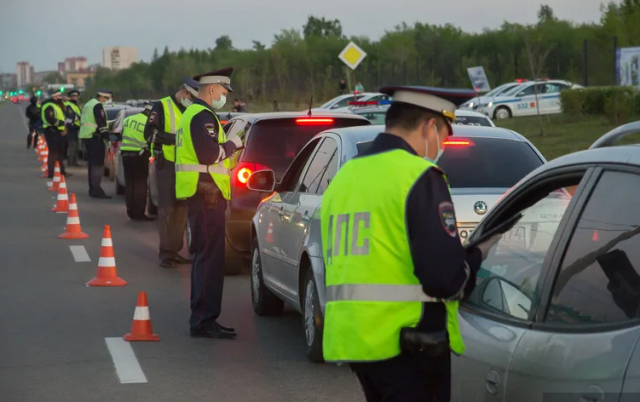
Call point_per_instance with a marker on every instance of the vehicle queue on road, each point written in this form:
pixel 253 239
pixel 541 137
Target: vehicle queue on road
pixel 535 286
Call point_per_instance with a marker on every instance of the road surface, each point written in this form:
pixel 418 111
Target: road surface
pixel 62 341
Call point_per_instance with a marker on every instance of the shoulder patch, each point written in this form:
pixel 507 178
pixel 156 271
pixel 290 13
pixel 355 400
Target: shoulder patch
pixel 102 113
pixel 448 218
pixel 152 117
pixel 211 129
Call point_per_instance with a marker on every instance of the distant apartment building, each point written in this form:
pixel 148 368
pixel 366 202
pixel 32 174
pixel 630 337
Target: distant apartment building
pixel 119 57
pixel 72 65
pixel 39 77
pixel 79 78
pixel 8 81
pixel 24 73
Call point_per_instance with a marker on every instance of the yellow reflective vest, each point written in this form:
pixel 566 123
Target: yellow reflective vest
pixel 59 114
pixel 172 117
pixel 133 133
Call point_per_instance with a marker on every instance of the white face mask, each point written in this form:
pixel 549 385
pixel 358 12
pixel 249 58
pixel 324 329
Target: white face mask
pixel 219 104
pixel 185 102
pixel 440 150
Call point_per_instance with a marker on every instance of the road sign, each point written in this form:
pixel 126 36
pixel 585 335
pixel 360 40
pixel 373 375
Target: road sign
pixel 352 55
pixel 479 79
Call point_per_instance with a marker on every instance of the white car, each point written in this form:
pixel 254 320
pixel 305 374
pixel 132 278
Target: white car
pixel 473 104
pixel 525 99
pixel 341 103
pixel 377 114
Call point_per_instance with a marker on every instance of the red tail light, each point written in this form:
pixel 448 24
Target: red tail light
pixel 223 122
pixel 458 143
pixel 244 170
pixel 314 121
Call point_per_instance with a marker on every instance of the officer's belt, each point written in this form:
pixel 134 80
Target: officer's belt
pixel 215 169
pixel 382 293
pixel 130 141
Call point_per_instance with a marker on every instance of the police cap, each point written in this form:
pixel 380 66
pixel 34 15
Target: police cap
pixel 74 92
pixel 105 92
pixel 440 101
pixel 190 85
pixel 222 77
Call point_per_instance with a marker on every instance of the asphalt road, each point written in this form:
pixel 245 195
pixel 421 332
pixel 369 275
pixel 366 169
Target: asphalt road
pixel 53 329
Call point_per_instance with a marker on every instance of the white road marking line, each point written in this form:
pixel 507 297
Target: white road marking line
pixel 127 366
pixel 80 253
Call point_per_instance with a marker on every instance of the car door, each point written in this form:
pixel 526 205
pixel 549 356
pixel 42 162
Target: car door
pixel 302 205
pixel 272 214
pixel 589 326
pixel 550 102
pixel 526 104
pixel 510 284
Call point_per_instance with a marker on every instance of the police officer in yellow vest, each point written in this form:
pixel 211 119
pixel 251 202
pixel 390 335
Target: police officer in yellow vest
pixel 160 132
pixel 135 161
pixel 202 178
pixel 395 266
pixel 94 131
pixel 54 131
pixel 72 113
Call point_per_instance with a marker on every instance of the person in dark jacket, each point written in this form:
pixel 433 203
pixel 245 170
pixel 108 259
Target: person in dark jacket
pixel 33 113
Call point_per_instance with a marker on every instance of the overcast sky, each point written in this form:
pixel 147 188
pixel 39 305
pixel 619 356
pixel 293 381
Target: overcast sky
pixel 44 32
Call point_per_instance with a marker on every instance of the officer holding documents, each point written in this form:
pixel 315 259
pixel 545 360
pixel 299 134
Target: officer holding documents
pixel 395 266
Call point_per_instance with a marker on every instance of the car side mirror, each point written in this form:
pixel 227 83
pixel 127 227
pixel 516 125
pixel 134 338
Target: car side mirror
pixel 263 181
pixel 502 295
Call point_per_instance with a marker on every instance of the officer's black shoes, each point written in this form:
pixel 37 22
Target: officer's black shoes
pixel 213 331
pixel 67 174
pixel 228 329
pixel 166 263
pixel 99 194
pixel 178 259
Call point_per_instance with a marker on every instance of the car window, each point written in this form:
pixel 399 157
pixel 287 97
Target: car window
pixel 375 117
pixel 508 279
pixel 292 175
pixel 599 279
pixel 531 90
pixel 472 121
pixel 330 172
pixel 553 88
pixel 317 166
pixel 235 127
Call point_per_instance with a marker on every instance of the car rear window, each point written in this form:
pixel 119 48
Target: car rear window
pixel 112 112
pixel 472 121
pixel 374 117
pixel 483 162
pixel 275 142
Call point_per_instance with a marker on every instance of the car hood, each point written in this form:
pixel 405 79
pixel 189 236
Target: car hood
pixel 465 200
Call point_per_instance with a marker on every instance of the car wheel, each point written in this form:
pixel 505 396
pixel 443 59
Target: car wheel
pixel 234 260
pixel 263 300
pixel 502 113
pixel 313 320
pixel 119 187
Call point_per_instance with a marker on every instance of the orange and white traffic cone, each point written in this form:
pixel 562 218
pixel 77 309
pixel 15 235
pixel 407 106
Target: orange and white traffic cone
pixel 141 326
pixel 56 178
pixel 62 206
pixel 45 160
pixel 73 230
pixel 43 150
pixel 107 274
pixel 269 238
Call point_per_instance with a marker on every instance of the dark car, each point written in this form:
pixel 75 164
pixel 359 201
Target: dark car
pixel 272 141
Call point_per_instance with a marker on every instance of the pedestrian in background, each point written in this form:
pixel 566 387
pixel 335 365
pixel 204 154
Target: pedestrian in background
pixel 34 114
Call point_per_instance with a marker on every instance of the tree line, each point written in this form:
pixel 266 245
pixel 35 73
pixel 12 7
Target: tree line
pixel 301 63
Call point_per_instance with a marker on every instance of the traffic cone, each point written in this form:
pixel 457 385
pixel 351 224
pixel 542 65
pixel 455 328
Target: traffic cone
pixel 43 149
pixel 56 178
pixel 141 326
pixel 269 238
pixel 45 160
pixel 73 230
pixel 107 275
pixel 62 206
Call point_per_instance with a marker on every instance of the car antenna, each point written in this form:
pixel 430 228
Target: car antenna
pixel 310 106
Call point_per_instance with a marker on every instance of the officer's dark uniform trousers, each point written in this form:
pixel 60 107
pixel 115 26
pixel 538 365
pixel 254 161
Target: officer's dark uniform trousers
pixel 72 141
pixel 56 145
pixel 136 173
pixel 172 213
pixel 95 162
pixel 207 225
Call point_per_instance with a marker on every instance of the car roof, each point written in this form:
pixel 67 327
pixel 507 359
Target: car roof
pixel 254 117
pixel 367 133
pixel 462 112
pixel 619 154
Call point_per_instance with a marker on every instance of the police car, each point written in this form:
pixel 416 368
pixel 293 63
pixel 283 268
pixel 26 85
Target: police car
pixel 343 103
pixel 474 104
pixel 526 99
pixel 375 112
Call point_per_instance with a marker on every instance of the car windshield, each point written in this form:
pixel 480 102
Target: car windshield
pixel 472 121
pixel 483 162
pixel 512 91
pixel 275 142
pixel 375 118
pixel 501 90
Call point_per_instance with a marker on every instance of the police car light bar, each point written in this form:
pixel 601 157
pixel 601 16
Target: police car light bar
pixel 363 103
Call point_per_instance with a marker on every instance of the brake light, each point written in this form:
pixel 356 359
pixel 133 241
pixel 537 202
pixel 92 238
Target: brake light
pixel 223 122
pixel 458 143
pixel 310 121
pixel 244 174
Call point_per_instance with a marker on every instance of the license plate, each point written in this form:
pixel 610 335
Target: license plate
pixel 465 232
pixel 515 238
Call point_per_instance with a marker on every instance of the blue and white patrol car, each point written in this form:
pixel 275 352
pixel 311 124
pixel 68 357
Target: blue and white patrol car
pixel 474 104
pixel 525 99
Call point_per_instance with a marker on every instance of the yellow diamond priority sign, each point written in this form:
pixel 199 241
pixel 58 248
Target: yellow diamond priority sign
pixel 352 55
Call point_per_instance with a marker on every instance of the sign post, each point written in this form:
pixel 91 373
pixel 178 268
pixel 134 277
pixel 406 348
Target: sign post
pixel 352 55
pixel 479 81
